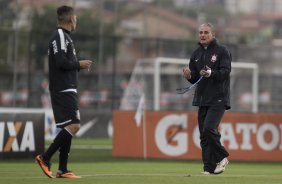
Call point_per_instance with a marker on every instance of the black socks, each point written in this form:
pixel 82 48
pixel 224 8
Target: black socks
pixel 64 154
pixel 62 141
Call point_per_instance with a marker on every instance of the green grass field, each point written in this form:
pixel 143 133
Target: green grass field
pixel 96 165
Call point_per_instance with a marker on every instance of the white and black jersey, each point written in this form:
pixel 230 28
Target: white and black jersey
pixel 63 70
pixel 63 64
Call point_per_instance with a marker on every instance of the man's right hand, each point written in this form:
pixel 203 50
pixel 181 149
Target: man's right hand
pixel 85 64
pixel 186 72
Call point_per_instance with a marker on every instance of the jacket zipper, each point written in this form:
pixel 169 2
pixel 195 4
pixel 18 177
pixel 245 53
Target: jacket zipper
pixel 204 63
pixel 201 99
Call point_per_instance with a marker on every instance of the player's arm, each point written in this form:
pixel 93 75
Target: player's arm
pixel 224 69
pixel 194 75
pixel 60 53
pixel 64 63
pixel 85 64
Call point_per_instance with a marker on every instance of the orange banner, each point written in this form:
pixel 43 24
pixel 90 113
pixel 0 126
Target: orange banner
pixel 246 136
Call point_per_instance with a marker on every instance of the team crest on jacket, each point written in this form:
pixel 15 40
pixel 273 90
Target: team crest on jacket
pixel 213 58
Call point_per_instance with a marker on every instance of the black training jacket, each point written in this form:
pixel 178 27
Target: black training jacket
pixel 63 64
pixel 214 90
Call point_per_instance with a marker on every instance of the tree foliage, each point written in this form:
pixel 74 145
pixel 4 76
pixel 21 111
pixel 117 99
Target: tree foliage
pixel 164 3
pixel 43 23
pixel 7 14
pixel 86 37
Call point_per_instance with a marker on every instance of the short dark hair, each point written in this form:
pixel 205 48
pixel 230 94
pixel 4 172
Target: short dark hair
pixel 64 13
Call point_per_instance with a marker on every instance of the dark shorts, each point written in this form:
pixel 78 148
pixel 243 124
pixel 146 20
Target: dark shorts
pixel 65 108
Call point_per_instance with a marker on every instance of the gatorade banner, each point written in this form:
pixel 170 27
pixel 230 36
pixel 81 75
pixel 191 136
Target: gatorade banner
pixel 174 135
pixel 21 134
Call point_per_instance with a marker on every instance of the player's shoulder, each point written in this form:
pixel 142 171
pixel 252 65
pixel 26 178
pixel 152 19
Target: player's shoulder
pixel 59 35
pixel 197 49
pixel 55 35
pixel 221 46
pixel 224 49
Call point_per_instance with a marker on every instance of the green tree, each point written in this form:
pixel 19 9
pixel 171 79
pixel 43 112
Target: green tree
pixel 43 23
pixel 7 13
pixel 86 37
pixel 164 3
pixel 7 16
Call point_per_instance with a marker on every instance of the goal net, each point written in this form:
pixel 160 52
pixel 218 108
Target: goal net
pixel 158 79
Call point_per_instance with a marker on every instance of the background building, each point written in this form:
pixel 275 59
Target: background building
pixel 116 33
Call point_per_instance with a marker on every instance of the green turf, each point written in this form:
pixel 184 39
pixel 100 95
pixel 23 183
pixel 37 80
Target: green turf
pixel 97 166
pixel 88 141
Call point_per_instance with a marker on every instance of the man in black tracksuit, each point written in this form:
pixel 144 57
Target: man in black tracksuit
pixel 212 61
pixel 63 70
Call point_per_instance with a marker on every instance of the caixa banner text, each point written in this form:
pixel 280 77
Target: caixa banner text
pixel 21 134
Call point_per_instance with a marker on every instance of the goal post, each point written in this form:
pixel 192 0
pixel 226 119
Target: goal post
pixel 255 78
pixel 157 76
pixel 152 77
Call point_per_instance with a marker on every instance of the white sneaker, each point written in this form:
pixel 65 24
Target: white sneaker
pixel 205 173
pixel 221 166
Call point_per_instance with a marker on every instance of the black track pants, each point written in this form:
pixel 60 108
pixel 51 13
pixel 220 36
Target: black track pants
pixel 212 149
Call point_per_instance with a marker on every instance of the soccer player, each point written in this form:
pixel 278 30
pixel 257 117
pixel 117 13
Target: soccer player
pixel 212 61
pixel 63 70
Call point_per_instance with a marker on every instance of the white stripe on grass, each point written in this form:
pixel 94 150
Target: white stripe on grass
pixel 177 175
pixel 89 147
pixel 148 174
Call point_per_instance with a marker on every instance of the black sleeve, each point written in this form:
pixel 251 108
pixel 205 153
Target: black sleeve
pixel 224 69
pixel 62 60
pixel 194 73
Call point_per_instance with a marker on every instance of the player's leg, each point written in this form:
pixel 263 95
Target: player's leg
pixel 63 171
pixel 67 117
pixel 72 128
pixel 209 166
pixel 219 153
pixel 44 159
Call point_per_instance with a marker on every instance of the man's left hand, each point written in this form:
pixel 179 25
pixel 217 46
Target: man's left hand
pixel 206 72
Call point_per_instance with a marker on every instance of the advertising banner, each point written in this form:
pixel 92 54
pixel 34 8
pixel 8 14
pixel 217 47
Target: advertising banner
pixel 21 134
pixel 175 135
